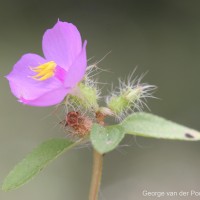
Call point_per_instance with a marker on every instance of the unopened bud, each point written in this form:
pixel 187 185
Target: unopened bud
pixel 126 99
pixel 133 95
pixel 118 104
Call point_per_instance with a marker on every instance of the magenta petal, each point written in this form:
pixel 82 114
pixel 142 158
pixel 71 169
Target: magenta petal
pixel 48 99
pixel 77 70
pixel 19 77
pixel 60 74
pixel 62 44
pixel 27 89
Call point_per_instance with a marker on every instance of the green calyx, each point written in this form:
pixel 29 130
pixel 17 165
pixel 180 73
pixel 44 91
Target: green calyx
pixel 85 96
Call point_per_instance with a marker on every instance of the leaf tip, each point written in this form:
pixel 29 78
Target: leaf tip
pixel 192 135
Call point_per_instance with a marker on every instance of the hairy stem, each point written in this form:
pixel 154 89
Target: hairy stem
pixel 96 175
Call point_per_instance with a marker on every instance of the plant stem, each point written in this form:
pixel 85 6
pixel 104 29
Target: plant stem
pixel 96 175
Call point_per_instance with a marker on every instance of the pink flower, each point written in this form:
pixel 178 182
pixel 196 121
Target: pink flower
pixel 39 81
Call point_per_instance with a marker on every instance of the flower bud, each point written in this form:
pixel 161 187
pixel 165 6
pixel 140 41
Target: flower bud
pixel 133 95
pixel 128 98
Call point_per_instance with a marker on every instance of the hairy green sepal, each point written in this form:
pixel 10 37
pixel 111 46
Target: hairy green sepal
pixel 85 96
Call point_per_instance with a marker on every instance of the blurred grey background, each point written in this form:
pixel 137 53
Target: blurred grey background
pixel 159 36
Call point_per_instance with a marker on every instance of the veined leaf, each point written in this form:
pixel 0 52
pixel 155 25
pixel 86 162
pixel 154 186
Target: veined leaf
pixel 35 162
pixel 105 139
pixel 149 125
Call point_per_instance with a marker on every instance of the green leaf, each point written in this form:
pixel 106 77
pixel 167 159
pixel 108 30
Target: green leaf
pixel 105 139
pixel 35 162
pixel 149 125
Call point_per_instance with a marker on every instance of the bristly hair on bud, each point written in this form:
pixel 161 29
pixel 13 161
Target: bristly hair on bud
pixel 130 96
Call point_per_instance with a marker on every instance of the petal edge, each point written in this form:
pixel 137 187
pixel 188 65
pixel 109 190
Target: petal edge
pixel 62 44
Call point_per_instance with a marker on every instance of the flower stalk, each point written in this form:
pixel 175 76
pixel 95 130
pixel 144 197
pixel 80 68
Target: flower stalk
pixel 96 175
pixel 97 164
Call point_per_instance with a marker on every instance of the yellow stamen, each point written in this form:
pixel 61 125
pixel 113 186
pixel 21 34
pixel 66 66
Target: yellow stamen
pixel 44 71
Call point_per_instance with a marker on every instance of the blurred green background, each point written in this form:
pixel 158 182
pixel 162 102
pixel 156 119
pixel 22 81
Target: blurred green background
pixel 159 36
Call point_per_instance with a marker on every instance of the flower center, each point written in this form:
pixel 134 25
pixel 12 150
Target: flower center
pixel 44 71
